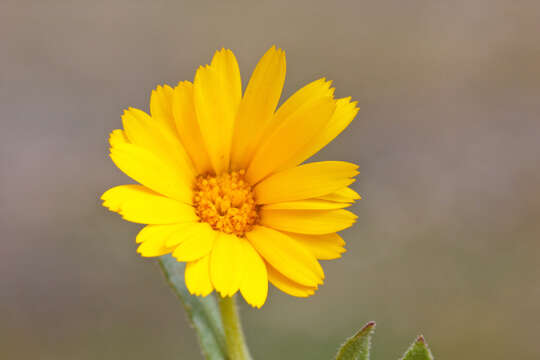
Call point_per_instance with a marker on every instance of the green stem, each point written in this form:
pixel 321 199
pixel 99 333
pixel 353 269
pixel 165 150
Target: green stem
pixel 234 336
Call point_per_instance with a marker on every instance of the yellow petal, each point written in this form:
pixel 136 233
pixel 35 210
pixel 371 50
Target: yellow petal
pixel 197 277
pixel 257 107
pixel 303 97
pixel 254 284
pixel 118 136
pixel 342 117
pixel 282 252
pixel 141 205
pixel 345 194
pixel 182 234
pixel 146 168
pixel 155 237
pixel 154 246
pixel 226 264
pixel 188 127
pixel 289 138
pixel 159 231
pixel 217 95
pixel 161 107
pixel 305 181
pixel 308 221
pixel 144 131
pixel 198 243
pixel 308 204
pixel 287 285
pixel 323 247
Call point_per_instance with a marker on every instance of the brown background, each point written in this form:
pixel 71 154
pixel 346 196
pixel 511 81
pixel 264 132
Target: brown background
pixel 447 139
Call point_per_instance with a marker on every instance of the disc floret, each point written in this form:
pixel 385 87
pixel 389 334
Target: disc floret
pixel 226 202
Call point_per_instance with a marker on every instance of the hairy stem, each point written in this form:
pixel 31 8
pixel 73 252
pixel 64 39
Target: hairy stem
pixel 234 336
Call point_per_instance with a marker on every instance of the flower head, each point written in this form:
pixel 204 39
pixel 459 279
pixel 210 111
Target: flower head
pixel 222 185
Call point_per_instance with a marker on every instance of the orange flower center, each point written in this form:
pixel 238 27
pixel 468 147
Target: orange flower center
pixel 226 202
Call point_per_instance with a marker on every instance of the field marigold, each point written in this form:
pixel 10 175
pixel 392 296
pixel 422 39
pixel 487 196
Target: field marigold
pixel 221 185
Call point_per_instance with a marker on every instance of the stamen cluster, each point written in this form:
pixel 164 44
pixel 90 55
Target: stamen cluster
pixel 226 202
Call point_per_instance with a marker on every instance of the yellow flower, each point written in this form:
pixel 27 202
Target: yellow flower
pixel 222 188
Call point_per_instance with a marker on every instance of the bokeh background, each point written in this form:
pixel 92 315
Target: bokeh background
pixel 447 139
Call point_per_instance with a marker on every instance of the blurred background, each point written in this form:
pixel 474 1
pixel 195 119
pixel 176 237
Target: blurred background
pixel 447 139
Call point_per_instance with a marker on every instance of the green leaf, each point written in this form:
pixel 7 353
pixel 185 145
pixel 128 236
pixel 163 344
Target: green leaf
pixel 418 351
pixel 203 312
pixel 357 347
